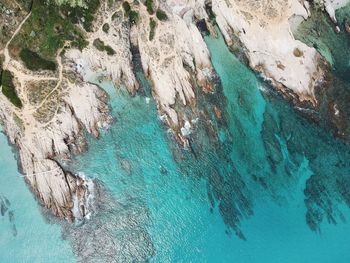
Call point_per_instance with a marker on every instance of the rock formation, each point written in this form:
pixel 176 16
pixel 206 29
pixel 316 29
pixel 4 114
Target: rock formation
pixel 58 106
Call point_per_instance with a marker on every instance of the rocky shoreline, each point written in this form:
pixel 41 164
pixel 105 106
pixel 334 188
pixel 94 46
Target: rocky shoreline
pixel 175 59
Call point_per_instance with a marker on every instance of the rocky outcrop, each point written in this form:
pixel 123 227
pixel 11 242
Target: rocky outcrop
pixel 263 28
pixel 175 59
pixel 39 145
pixel 114 63
pixel 176 52
pixel 50 128
pixel 331 6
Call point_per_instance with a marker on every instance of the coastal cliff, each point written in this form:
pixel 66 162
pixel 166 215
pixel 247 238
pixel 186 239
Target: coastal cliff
pixel 59 103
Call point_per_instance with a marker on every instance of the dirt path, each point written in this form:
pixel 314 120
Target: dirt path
pixel 60 77
pixel 6 49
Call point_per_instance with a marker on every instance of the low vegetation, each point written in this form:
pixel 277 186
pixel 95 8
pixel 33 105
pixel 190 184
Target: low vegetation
pixel 152 25
pixel 161 15
pixel 1 62
pixel 105 28
pixel 116 15
pixel 34 62
pixel 80 14
pixel 100 45
pixel 297 52
pixel 149 5
pixel 50 26
pixel 126 7
pixel 8 88
pixel 131 14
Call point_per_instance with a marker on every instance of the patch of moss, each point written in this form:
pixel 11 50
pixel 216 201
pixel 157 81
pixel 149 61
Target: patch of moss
pixel 8 88
pixel 152 25
pixel 149 5
pixel 34 62
pixel 161 15
pixel 100 45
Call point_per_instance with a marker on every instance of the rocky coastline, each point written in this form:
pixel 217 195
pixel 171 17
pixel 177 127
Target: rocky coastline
pixel 175 59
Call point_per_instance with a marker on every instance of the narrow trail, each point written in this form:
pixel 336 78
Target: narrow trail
pixel 60 77
pixel 6 50
pixel 23 77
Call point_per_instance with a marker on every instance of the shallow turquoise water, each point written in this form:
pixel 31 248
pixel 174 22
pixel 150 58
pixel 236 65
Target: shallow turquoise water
pixel 180 222
pixel 27 237
pixel 242 196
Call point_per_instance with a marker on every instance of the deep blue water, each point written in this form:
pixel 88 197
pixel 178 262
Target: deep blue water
pixel 259 184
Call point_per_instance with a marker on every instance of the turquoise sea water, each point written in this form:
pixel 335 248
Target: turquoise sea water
pixel 25 236
pixel 268 186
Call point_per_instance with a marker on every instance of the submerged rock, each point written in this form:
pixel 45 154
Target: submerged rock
pixel 346 25
pixel 14 230
pixel 163 170
pixel 126 166
pixel 3 207
pixel 11 216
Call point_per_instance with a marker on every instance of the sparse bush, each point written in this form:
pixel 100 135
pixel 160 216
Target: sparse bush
pixel 161 15
pixel 131 14
pixel 105 28
pixel 152 25
pixel 126 7
pixel 149 5
pixel 53 24
pixel 8 88
pixel 297 52
pixel 34 62
pixel 100 45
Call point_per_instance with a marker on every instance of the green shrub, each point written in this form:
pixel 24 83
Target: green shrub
pixel 115 15
pixel 161 15
pixel 53 25
pixel 110 3
pixel 105 28
pixel 131 14
pixel 110 51
pixel 149 5
pixel 152 25
pixel 100 45
pixel 8 88
pixel 0 69
pixel 133 17
pixel 34 62
pixel 297 52
pixel 126 7
pixel 84 15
